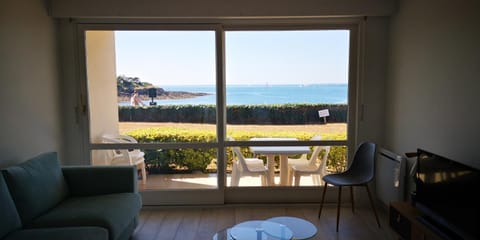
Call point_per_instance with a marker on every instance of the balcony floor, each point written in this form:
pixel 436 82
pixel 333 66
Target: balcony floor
pixel 202 181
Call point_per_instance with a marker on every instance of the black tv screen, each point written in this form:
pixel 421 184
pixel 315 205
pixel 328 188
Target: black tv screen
pixel 447 193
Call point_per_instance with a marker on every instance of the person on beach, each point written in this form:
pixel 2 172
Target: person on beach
pixel 135 100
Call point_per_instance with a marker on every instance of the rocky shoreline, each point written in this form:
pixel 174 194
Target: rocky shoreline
pixel 163 95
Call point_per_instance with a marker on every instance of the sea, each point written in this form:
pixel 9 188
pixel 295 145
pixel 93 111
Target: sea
pixel 260 94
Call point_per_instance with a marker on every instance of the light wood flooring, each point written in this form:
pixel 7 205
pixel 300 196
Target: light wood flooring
pixel 202 222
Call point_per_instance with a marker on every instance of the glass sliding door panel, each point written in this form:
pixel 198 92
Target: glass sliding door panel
pixel 156 85
pixel 154 92
pixel 291 85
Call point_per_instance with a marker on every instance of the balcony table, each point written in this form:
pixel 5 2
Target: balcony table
pixel 283 152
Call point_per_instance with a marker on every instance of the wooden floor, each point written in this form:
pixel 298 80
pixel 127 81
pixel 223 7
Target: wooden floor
pixel 198 223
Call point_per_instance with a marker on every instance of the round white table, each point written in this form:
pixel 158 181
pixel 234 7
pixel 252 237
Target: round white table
pixel 277 228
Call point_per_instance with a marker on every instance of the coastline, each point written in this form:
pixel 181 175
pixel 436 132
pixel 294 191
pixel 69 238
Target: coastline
pixel 249 94
pixel 165 96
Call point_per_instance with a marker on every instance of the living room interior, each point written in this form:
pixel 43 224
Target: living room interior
pixel 416 84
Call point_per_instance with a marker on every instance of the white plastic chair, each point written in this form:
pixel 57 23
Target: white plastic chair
pixel 124 156
pixel 316 171
pixel 303 160
pixel 242 167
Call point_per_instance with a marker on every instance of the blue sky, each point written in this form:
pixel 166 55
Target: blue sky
pixel 252 57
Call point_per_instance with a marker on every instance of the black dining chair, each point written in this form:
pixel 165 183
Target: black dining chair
pixel 360 173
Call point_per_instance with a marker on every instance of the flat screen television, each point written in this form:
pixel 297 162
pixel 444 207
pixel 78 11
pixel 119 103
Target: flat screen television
pixel 447 194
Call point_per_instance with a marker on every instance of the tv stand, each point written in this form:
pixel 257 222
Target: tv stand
pixel 408 223
pixel 437 228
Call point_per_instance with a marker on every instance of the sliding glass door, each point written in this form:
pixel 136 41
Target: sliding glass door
pixel 188 97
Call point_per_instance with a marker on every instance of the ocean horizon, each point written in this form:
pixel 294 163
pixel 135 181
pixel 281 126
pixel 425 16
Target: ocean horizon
pixel 260 94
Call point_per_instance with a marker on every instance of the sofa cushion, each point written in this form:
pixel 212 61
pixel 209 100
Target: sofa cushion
pixel 9 219
pixel 36 185
pixel 67 233
pixel 112 211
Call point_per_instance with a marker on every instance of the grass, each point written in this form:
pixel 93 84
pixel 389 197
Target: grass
pixel 317 129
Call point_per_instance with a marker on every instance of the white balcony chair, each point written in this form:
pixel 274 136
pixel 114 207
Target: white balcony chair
pixel 124 156
pixel 316 171
pixel 242 167
pixel 303 160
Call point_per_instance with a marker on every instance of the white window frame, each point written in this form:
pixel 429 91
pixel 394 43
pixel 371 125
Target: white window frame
pixel 225 194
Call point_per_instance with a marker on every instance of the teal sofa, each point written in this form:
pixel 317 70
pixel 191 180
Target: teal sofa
pixel 42 200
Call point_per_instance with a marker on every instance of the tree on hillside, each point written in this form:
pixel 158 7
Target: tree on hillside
pixel 126 85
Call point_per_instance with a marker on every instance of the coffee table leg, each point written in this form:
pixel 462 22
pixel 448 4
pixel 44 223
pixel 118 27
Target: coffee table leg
pixel 259 233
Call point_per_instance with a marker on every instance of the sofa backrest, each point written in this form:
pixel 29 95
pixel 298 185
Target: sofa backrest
pixel 36 185
pixel 9 219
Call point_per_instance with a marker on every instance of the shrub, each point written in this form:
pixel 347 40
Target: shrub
pixel 198 159
pixel 236 114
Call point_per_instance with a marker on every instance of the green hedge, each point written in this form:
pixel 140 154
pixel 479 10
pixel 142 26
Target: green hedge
pixel 236 114
pixel 163 160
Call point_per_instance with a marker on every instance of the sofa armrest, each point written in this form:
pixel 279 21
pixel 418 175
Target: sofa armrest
pixel 95 180
pixel 65 233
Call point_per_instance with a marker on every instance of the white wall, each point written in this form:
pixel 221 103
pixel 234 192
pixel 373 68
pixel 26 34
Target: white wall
pixel 371 86
pixel 29 110
pixel 102 83
pixel 102 88
pixel 433 86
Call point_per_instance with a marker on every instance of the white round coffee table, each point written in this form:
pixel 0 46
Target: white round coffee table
pixel 301 228
pixel 278 228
